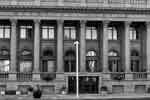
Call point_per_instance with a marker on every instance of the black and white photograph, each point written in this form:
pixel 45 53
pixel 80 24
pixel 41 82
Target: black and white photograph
pixel 74 50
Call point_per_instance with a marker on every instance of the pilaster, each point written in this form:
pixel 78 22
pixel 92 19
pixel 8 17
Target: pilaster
pixel 13 49
pixel 105 46
pixel 126 51
pixel 36 50
pixel 148 48
pixel 82 46
pixel 60 46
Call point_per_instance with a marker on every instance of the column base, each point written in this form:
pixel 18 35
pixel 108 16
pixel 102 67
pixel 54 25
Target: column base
pixel 12 76
pixel 36 77
pixel 128 76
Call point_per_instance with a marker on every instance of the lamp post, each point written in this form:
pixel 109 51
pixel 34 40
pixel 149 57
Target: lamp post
pixel 77 68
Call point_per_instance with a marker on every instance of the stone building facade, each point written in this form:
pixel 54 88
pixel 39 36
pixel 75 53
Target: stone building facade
pixel 37 45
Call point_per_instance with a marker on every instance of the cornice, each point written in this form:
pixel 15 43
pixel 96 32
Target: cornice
pixel 63 9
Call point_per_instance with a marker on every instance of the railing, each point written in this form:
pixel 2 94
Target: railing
pixel 47 76
pixel 140 75
pixel 24 76
pixel 80 3
pixel 118 76
pixel 4 76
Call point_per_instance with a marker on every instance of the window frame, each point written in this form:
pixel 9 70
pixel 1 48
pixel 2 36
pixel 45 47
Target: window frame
pixel 28 32
pixel 3 28
pixel 134 35
pixel 48 29
pixel 91 29
pixel 70 29
pixel 112 33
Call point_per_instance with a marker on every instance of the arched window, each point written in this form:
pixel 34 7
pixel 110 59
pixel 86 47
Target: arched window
pixel 91 61
pixel 70 63
pixel 113 53
pixel 135 61
pixel 91 53
pixel 114 61
pixel 48 61
pixel 4 52
pixel 26 52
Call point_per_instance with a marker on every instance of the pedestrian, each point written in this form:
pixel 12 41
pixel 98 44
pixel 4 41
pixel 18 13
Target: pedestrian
pixel 37 92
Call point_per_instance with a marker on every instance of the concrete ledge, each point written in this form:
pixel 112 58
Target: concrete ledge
pixel 82 97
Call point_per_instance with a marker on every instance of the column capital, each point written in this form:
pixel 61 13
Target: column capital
pixel 106 22
pixel 60 21
pixel 127 22
pixel 13 21
pixel 83 21
pixel 147 23
pixel 36 20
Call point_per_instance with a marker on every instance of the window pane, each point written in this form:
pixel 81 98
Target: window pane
pixel 94 34
pixel 130 34
pixel 114 34
pixel 1 32
pixel 91 66
pixel 51 66
pixel 23 33
pixel 29 33
pixel 110 33
pixel 25 66
pixel 66 33
pixel 7 33
pixel 4 65
pixel 73 33
pixel 91 53
pixel 51 33
pixel 88 34
pixel 44 34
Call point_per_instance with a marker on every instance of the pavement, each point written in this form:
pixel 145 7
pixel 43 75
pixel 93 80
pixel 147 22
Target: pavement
pixel 81 97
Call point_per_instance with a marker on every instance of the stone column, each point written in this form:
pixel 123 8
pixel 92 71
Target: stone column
pixel 147 46
pixel 60 52
pixel 126 47
pixel 36 50
pixel 105 46
pixel 13 50
pixel 126 50
pixel 82 45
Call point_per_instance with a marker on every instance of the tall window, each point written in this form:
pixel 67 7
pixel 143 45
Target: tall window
pixel 112 33
pixel 114 61
pixel 4 65
pixel 25 66
pixel 91 61
pixel 48 61
pixel 48 32
pixel 69 33
pixel 70 63
pixel 5 60
pixel 26 32
pixel 25 61
pixel 135 61
pixel 91 33
pixel 5 31
pixel 133 34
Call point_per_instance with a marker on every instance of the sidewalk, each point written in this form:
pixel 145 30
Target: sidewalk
pixel 81 97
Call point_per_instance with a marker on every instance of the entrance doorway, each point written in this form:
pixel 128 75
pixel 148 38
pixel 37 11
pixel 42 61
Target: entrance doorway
pixel 87 84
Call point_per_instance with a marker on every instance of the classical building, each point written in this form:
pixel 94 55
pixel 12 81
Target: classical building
pixel 37 45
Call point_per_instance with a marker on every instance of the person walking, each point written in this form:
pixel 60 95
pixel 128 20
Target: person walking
pixel 37 92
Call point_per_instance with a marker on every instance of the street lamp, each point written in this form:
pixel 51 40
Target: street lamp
pixel 76 43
